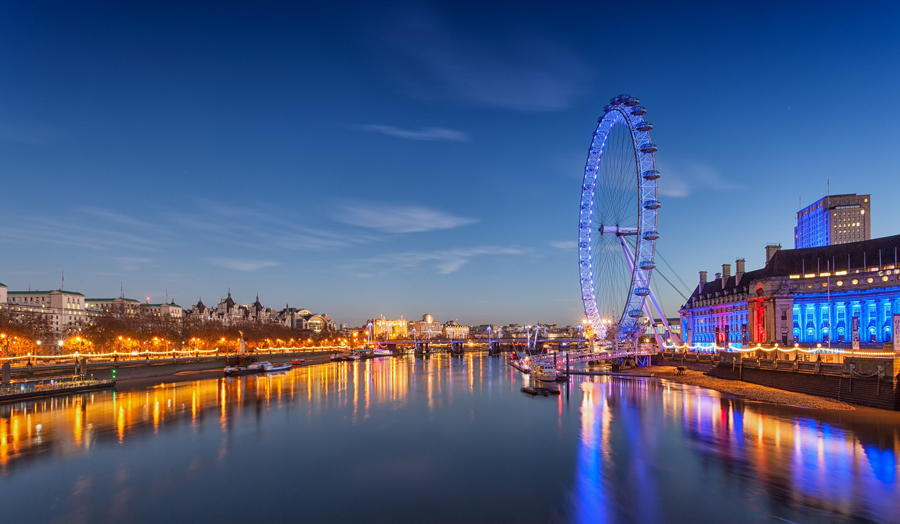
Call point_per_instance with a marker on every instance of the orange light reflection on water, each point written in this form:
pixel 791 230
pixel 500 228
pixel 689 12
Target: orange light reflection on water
pixel 72 423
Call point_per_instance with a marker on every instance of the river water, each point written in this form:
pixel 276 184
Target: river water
pixel 448 439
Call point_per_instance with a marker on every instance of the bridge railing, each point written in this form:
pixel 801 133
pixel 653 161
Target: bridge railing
pixel 587 355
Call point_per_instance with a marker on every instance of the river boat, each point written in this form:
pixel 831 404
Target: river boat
pixel 256 367
pixel 520 364
pixel 277 367
pixel 543 372
pixel 344 357
pixel 46 388
pixel 298 362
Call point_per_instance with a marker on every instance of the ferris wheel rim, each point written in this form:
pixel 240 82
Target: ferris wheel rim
pixel 623 110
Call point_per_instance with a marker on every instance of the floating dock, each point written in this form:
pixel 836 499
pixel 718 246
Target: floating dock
pixel 538 390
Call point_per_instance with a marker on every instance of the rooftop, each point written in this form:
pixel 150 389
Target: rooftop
pixel 63 291
pixel 866 254
pixel 163 304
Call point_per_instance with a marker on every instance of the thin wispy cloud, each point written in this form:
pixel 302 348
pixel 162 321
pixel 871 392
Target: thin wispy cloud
pixel 564 244
pixel 132 263
pixel 74 233
pixel 108 216
pixel 280 228
pixel 431 134
pixel 685 180
pixel 445 261
pixel 392 218
pixel 244 265
pixel 521 72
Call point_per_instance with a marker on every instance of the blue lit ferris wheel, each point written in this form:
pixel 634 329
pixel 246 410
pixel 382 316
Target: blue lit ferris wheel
pixel 617 230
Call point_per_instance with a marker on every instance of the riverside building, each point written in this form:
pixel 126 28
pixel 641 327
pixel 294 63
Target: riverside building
pixel 118 307
pixel 65 311
pixel 829 295
pixel 229 312
pixel 834 219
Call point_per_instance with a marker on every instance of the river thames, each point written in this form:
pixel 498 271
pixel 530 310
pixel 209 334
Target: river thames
pixel 447 439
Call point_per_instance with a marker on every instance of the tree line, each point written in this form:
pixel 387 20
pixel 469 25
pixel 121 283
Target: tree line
pixel 114 331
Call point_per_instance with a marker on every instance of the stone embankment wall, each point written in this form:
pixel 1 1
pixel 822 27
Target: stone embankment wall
pixel 862 381
pixel 695 362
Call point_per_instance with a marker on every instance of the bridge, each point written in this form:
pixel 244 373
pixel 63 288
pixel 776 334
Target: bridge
pixel 483 341
pixel 580 352
pixel 492 345
pixel 586 355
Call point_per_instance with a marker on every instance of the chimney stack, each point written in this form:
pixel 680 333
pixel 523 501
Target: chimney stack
pixel 726 271
pixel 702 281
pixel 718 276
pixel 739 270
pixel 771 249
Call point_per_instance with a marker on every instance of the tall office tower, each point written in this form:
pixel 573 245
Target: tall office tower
pixel 835 219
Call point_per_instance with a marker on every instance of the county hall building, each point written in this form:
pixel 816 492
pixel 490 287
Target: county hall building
pixel 805 296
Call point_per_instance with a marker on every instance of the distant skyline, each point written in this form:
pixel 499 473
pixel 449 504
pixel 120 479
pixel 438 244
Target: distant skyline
pixel 362 159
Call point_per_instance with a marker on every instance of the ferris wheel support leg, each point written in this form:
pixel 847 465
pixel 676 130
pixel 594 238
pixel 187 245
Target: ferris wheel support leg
pixel 660 340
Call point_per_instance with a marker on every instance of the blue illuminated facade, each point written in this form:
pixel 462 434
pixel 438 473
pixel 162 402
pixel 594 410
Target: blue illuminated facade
pixel 834 219
pixel 803 296
pixel 823 318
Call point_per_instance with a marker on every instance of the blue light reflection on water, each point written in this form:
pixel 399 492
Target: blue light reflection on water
pixel 789 464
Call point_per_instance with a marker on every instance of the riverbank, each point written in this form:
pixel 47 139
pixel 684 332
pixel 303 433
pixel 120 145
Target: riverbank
pixel 200 374
pixel 744 389
pixel 139 369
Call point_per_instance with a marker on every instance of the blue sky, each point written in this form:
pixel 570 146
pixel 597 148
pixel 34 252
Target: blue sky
pixel 401 158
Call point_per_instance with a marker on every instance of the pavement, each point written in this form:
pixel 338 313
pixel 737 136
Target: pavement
pixel 744 389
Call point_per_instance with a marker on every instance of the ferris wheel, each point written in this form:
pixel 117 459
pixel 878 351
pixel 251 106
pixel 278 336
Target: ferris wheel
pixel 617 230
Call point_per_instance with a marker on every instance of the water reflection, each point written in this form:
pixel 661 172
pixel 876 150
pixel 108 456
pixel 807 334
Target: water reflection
pixel 783 462
pixel 606 450
pixel 29 429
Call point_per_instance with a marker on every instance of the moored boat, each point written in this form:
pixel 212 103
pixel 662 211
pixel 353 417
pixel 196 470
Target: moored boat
pixel 543 372
pixel 277 367
pixel 256 367
pixel 521 365
pixel 298 362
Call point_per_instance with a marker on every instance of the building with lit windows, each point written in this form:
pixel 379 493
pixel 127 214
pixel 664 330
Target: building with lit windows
pixel 172 310
pixel 805 296
pixel 384 329
pixel 834 219
pixel 426 328
pixel 319 323
pixel 65 310
pixel 119 306
pixel 454 331
pixel 229 312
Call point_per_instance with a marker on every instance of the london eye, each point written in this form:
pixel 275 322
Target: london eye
pixel 617 226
